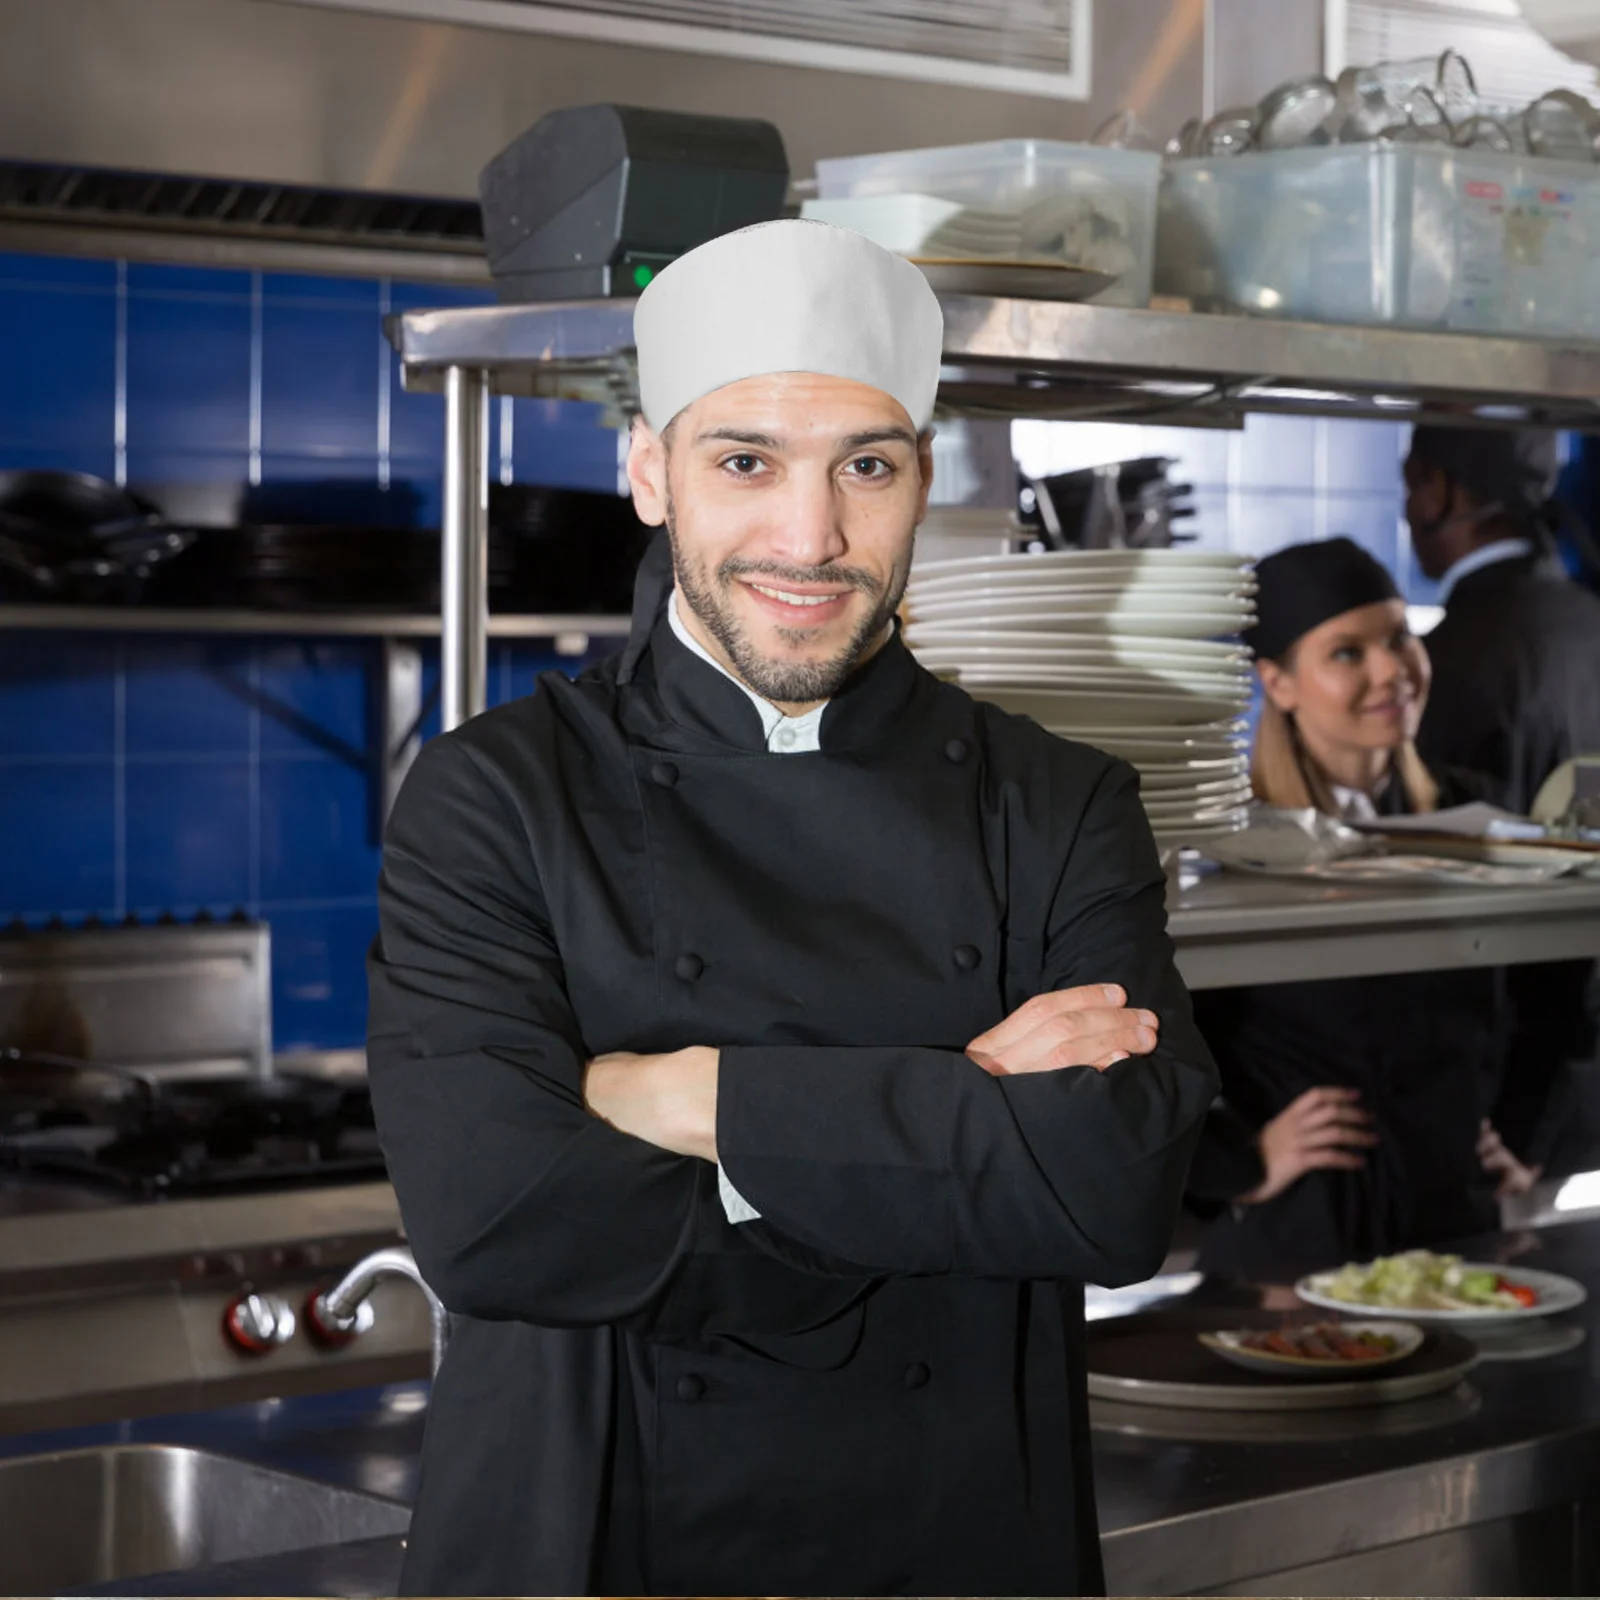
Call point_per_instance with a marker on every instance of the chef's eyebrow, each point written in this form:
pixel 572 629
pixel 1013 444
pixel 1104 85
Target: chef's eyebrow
pixel 854 441
pixel 763 441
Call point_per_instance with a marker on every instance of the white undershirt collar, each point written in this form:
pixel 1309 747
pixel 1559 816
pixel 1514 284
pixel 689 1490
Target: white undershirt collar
pixel 785 735
pixel 1487 555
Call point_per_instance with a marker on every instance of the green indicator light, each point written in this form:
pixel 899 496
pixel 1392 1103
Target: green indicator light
pixel 642 275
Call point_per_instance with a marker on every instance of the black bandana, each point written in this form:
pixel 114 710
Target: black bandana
pixel 1308 584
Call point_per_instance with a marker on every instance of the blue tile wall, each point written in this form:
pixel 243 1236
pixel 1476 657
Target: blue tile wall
pixel 189 773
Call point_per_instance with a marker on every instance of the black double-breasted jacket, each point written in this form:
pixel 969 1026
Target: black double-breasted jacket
pixel 877 1387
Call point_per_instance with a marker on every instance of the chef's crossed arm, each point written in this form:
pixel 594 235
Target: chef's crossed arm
pixel 518 1202
pixel 918 1161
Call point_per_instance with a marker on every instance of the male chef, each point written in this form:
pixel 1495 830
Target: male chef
pixel 768 1041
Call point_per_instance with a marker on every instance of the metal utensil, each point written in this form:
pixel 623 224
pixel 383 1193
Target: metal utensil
pixel 1231 132
pixel 1296 113
pixel 1563 126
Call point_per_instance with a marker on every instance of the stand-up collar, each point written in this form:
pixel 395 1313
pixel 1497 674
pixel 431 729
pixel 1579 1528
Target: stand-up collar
pixel 702 700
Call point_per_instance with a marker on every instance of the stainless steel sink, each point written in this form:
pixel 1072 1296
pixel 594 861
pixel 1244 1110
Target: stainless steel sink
pixel 85 1517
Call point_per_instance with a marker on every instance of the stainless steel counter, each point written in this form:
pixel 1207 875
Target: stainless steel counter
pixel 1232 928
pixel 1492 1489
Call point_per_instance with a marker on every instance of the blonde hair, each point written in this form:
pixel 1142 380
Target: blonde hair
pixel 1282 772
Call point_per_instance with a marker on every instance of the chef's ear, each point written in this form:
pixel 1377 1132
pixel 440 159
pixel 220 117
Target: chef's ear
pixel 1277 683
pixel 647 472
pixel 925 471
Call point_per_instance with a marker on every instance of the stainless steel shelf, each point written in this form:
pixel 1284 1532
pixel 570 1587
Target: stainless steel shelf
pixel 132 619
pixel 1036 358
pixel 1232 929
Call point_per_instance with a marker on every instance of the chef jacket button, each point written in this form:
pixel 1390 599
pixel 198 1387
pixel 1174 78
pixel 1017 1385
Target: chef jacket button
pixel 664 773
pixel 968 957
pixel 691 1386
pixel 786 737
pixel 957 751
pixel 917 1375
pixel 688 967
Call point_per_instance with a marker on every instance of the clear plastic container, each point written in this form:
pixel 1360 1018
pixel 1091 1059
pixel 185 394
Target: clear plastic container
pixel 1413 235
pixel 1012 200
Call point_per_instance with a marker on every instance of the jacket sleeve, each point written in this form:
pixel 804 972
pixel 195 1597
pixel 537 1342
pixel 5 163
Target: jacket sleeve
pixel 516 1201
pixel 917 1161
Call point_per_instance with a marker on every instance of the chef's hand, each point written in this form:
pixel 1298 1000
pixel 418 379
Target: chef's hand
pixel 1321 1131
pixel 668 1100
pixel 1515 1178
pixel 1089 1027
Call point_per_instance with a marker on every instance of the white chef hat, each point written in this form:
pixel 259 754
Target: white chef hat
pixel 789 296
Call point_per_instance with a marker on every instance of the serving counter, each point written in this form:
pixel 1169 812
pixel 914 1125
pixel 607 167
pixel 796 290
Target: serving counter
pixel 1493 1488
pixel 1233 928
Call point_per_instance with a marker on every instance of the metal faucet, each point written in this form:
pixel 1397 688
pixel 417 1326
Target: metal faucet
pixel 341 1306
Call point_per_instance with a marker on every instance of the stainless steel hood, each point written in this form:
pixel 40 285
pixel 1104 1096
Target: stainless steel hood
pixel 321 103
pixel 73 208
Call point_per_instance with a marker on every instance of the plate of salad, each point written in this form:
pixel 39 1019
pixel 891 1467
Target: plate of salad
pixel 1440 1288
pixel 1318 1348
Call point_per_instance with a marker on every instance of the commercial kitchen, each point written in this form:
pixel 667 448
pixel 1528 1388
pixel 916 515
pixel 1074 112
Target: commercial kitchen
pixel 317 372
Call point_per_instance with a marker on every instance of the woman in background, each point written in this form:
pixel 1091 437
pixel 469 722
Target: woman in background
pixel 1353 1118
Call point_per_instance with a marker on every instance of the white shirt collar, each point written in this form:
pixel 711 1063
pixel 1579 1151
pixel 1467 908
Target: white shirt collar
pixel 785 735
pixel 1487 555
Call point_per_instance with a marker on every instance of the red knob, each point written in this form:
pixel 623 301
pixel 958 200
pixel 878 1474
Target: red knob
pixel 330 1332
pixel 256 1323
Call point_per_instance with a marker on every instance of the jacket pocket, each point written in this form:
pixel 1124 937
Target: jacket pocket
pixel 775 1479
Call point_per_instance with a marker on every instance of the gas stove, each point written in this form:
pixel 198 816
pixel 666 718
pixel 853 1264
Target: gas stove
pixel 224 1136
pixel 138 1059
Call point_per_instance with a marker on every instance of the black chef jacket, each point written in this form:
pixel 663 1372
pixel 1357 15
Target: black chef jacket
pixel 879 1386
pixel 1424 1050
pixel 1516 692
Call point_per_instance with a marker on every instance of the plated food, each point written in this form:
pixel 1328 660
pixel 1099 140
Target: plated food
pixel 1347 1348
pixel 1441 1287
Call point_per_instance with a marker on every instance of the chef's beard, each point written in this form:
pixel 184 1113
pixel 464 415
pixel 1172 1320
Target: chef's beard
pixel 783 682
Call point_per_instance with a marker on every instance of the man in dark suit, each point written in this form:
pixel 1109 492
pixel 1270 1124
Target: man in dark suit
pixel 1516 692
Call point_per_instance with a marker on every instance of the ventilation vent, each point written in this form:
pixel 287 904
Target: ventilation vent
pixel 1039 47
pixel 31 192
pixel 1511 62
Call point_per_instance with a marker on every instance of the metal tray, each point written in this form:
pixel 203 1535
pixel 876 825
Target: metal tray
pixel 1012 280
pixel 1156 1359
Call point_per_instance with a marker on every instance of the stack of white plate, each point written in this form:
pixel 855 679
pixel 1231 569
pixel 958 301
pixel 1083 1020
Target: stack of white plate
pixel 1133 651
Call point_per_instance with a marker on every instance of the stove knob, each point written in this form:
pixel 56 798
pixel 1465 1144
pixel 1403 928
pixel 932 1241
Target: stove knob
pixel 333 1332
pixel 256 1323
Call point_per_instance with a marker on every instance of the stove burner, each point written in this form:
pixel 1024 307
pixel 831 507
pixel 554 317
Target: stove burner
pixel 231 1135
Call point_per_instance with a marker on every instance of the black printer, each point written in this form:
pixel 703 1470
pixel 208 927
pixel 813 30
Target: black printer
pixel 592 201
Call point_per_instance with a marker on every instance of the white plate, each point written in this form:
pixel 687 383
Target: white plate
pixel 949 591
pixel 1091 708
pixel 1194 622
pixel 1556 1294
pixel 1203 769
pixel 1106 647
pixel 983 611
pixel 1171 812
pixel 1045 668
pixel 1137 750
pixel 1073 560
pixel 1193 833
pixel 1226 733
pixel 1227 1343
pixel 1230 789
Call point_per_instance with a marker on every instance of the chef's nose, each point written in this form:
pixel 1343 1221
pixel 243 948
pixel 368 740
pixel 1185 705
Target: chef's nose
pixel 808 531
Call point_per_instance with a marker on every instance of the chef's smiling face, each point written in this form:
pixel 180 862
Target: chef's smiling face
pixel 1358 680
pixel 792 502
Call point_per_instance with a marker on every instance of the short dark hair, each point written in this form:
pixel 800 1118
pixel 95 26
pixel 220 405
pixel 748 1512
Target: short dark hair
pixel 1516 469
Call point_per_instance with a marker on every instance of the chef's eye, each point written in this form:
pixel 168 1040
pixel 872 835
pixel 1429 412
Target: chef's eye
pixel 1347 654
pixel 742 465
pixel 870 469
